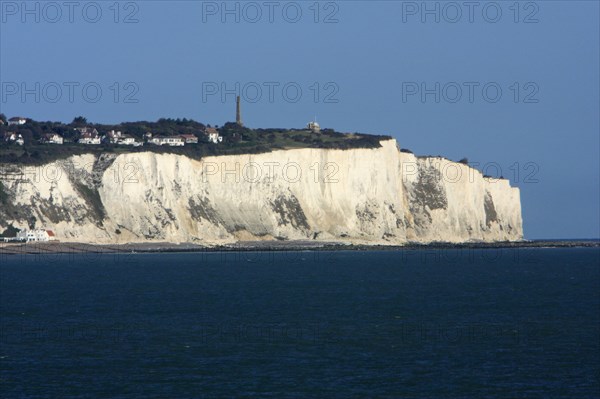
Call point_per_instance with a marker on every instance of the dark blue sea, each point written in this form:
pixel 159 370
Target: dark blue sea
pixel 469 323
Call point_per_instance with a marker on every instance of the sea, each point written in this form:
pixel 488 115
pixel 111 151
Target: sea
pixel 419 323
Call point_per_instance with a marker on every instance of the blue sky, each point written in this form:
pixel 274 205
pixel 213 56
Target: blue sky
pixel 513 88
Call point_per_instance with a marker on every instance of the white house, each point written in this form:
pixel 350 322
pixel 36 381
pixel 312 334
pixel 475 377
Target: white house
pixel 189 138
pixel 52 138
pixel 87 130
pixel 17 120
pixel 36 235
pixel 129 140
pixel 172 141
pixel 88 135
pixel 86 139
pixel 215 138
pixel 314 127
pixel 113 136
pixel 14 137
pixel 212 135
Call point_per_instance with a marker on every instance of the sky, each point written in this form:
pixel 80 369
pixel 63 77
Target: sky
pixel 512 86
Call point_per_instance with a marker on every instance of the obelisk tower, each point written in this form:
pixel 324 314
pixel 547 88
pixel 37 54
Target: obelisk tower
pixel 238 114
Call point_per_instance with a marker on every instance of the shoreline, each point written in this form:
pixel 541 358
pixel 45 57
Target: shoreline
pixel 36 248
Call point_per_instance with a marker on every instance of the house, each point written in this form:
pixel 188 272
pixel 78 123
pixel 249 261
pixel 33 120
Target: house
pixel 189 138
pixel 87 130
pixel 14 138
pixel 314 127
pixel 36 235
pixel 52 138
pixel 215 138
pixel 172 141
pixel 17 120
pixel 88 139
pixel 88 135
pixel 126 139
pixel 112 137
pixel 212 135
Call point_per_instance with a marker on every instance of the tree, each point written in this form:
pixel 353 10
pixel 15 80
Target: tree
pixel 10 232
pixel 3 118
pixel 464 161
pixel 79 121
pixel 27 135
pixel 70 134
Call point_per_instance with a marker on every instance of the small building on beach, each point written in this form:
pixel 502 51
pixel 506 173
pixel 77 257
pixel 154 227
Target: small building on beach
pixel 36 235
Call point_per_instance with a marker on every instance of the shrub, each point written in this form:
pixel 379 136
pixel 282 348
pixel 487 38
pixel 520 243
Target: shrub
pixel 9 232
pixel 3 194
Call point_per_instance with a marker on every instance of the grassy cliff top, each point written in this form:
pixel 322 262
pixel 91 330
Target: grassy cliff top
pixel 236 140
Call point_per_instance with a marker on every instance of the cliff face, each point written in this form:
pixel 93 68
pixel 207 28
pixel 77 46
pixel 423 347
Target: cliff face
pixel 375 196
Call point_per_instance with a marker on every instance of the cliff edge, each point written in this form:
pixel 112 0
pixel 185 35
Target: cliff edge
pixel 362 196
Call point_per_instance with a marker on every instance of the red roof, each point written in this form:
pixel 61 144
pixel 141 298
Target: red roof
pixel 50 233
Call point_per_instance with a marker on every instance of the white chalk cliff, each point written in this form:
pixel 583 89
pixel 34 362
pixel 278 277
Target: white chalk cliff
pixel 367 196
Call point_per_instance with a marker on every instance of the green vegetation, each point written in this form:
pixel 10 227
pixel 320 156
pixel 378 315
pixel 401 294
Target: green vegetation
pixel 3 195
pixel 10 232
pixel 7 207
pixel 92 197
pixel 236 140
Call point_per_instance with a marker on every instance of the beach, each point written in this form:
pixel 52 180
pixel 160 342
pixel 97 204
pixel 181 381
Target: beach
pixel 163 247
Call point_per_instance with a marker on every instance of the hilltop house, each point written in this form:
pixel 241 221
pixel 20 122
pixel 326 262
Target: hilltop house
pixel 87 130
pixel 112 137
pixel 88 135
pixel 212 135
pixel 126 139
pixel 314 127
pixel 189 138
pixel 17 120
pixel 36 235
pixel 14 138
pixel 172 141
pixel 51 138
